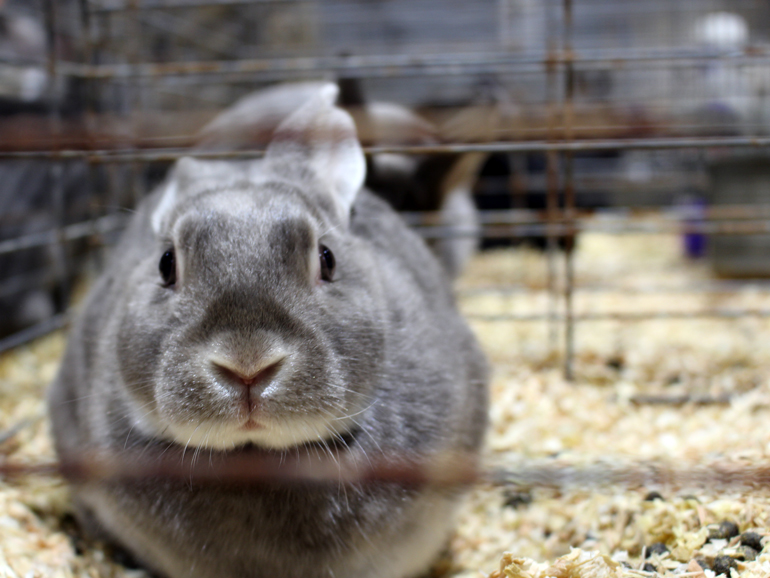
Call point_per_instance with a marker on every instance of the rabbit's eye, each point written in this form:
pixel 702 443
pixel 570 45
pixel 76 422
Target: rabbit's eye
pixel 327 263
pixel 167 268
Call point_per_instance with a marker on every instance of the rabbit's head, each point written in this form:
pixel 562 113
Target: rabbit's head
pixel 257 318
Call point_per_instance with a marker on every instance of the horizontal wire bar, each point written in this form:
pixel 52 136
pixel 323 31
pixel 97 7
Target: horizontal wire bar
pixel 566 229
pixel 116 6
pixel 444 469
pixel 625 316
pixel 30 333
pixel 410 64
pixel 168 155
pixel 80 230
pixel 112 223
pixel 670 215
pixel 535 226
pixel 16 284
pixel 735 219
pixel 59 321
pixel 96 6
pixel 721 287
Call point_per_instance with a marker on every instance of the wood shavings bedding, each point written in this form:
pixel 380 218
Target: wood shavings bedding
pixel 576 532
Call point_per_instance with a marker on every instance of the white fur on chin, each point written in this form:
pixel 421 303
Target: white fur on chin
pixel 224 436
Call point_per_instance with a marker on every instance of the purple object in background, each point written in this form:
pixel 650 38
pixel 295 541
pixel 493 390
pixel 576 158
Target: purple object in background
pixel 693 211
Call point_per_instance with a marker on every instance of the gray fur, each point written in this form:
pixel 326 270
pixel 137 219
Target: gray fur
pixel 379 355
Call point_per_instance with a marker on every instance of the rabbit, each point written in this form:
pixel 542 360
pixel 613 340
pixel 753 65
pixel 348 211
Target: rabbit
pixel 271 306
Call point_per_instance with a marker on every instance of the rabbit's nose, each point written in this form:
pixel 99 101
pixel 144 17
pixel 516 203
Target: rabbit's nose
pixel 255 375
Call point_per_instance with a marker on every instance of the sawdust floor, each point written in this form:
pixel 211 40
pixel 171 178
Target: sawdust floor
pixel 714 373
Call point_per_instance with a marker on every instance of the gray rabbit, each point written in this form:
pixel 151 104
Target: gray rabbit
pixel 271 307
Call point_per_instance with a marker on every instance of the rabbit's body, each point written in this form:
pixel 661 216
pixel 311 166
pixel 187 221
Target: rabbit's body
pixel 253 348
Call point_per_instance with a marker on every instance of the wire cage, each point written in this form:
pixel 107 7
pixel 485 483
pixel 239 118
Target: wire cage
pixel 570 107
pixel 554 119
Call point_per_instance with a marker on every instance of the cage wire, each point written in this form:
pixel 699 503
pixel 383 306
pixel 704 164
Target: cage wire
pixel 646 113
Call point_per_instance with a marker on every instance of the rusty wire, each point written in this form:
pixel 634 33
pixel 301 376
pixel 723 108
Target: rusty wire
pixel 497 224
pixel 169 155
pixel 114 6
pixel 392 65
pixel 251 466
pixel 726 314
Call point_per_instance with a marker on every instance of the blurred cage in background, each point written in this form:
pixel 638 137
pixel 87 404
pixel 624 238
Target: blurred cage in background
pixel 569 108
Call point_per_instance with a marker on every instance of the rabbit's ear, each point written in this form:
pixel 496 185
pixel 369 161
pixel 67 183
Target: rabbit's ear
pixel 185 171
pixel 322 138
pixel 187 177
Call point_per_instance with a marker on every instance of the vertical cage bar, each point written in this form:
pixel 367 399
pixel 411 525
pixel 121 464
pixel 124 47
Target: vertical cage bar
pixel 136 101
pixel 552 188
pixel 552 210
pixel 89 111
pixel 569 195
pixel 58 250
